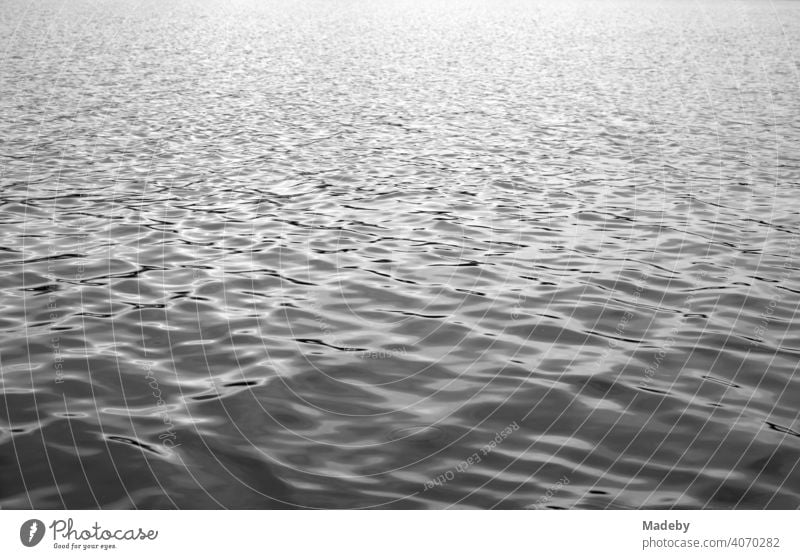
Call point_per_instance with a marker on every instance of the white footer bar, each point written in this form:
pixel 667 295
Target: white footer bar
pixel 400 534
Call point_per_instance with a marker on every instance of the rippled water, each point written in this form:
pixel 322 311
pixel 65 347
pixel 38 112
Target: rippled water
pixel 399 254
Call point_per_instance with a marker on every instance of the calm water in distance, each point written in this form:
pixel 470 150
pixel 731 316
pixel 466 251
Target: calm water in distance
pixel 415 254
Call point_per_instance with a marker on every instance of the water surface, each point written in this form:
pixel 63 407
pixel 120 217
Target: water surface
pixel 399 254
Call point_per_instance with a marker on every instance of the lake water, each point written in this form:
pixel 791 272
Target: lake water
pixel 415 254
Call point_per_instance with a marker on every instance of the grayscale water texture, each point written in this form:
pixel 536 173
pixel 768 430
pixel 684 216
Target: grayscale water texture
pixel 413 254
